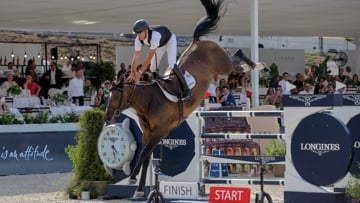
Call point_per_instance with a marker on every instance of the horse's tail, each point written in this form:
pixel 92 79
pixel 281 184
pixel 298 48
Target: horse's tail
pixel 209 22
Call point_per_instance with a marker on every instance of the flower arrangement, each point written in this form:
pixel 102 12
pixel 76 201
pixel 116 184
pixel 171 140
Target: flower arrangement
pixel 14 90
pixel 8 118
pixel 89 91
pixel 38 118
pixel 59 99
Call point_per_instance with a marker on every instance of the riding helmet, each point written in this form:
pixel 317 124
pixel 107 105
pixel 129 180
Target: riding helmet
pixel 140 25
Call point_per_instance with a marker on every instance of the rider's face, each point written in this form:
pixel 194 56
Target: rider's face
pixel 142 35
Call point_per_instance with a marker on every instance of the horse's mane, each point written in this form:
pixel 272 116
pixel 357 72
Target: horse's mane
pixel 209 22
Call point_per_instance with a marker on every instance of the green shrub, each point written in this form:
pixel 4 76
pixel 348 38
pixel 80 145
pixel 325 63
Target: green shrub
pixel 275 148
pixel 353 187
pixel 87 165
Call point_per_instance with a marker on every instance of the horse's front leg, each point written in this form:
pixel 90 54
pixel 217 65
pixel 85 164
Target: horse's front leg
pixel 144 162
pixel 140 189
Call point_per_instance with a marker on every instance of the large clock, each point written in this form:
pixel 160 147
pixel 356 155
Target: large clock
pixel 117 146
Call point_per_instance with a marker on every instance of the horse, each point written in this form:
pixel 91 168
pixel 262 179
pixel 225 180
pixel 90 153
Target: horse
pixel 157 115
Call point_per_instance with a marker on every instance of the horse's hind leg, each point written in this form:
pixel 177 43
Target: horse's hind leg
pixel 242 57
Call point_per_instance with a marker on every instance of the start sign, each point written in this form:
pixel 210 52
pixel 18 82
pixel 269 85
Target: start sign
pixel 229 195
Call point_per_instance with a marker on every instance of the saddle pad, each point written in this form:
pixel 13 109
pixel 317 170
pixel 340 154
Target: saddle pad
pixel 190 81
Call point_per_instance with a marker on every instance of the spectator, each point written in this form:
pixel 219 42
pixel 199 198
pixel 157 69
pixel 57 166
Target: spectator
pixel 355 80
pixel 76 87
pixel 32 86
pixel 341 75
pixel 330 89
pixel 219 95
pixel 275 81
pixel 283 82
pixel 121 73
pixel 228 99
pixel 99 98
pixel 12 70
pixel 52 78
pixel 31 70
pixel 9 82
pixel 320 87
pixel 273 96
pixel 299 83
pixel 307 89
pixel 107 87
pixel 233 79
pixel 222 82
pixel 348 74
pixel 270 96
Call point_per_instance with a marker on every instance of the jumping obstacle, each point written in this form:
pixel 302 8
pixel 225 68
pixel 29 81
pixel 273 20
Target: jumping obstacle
pixel 308 172
pixel 319 147
pixel 191 177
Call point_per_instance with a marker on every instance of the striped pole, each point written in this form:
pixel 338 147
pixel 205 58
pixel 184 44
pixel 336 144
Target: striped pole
pixel 238 113
pixel 243 159
pixel 243 181
pixel 235 136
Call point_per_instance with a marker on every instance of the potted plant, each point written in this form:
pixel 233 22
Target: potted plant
pixel 59 99
pixel 104 70
pixel 353 188
pixel 87 166
pixel 276 148
pixel 14 90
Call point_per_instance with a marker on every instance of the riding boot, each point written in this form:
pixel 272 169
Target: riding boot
pixel 186 90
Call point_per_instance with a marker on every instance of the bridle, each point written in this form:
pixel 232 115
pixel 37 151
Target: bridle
pixel 117 111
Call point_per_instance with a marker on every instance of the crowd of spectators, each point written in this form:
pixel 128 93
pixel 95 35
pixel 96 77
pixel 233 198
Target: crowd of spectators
pixel 308 82
pixel 71 78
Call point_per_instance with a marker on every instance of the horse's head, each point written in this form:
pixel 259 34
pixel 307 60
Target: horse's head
pixel 119 100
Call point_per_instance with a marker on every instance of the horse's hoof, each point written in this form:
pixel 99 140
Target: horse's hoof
pixel 138 194
pixel 132 181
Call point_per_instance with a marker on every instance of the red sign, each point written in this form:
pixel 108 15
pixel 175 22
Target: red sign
pixel 229 195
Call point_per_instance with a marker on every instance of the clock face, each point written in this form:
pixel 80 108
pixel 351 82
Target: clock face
pixel 112 147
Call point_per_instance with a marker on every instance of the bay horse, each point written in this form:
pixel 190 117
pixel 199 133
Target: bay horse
pixel 157 115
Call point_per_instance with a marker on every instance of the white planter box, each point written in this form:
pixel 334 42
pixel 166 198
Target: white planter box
pixel 48 127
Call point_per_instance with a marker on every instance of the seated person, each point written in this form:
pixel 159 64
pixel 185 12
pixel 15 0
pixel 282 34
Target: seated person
pixel 29 84
pixel 99 98
pixel 228 99
pixel 9 82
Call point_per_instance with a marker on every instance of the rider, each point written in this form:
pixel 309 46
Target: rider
pixel 159 39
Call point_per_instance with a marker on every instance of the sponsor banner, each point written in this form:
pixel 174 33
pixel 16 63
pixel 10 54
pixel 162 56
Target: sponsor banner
pixel 229 195
pixel 321 149
pixel 177 150
pixel 354 127
pixel 35 152
pixel 308 100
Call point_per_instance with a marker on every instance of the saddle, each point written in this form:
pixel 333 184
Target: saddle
pixel 170 84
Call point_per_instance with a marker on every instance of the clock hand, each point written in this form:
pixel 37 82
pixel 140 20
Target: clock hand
pixel 114 149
